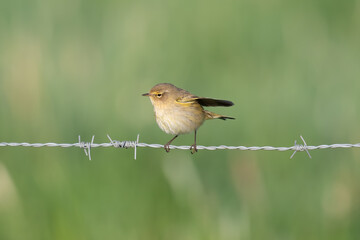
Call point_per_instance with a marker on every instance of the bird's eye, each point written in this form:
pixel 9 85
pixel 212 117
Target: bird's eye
pixel 159 95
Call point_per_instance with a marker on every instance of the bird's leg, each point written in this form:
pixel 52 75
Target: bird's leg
pixel 193 148
pixel 167 146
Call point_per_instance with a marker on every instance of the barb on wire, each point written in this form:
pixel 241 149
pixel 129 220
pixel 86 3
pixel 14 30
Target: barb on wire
pixel 301 148
pixel 135 144
pixel 125 144
pixel 86 146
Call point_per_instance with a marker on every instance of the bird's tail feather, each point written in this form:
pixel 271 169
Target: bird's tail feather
pixel 211 115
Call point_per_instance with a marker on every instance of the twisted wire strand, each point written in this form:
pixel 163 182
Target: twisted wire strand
pixel 135 144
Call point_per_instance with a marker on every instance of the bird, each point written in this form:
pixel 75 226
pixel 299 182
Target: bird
pixel 177 111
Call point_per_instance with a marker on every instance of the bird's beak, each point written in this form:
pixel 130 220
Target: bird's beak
pixel 145 94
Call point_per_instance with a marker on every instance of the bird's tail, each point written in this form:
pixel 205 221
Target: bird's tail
pixel 211 115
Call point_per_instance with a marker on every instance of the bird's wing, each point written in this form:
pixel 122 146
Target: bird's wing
pixel 207 102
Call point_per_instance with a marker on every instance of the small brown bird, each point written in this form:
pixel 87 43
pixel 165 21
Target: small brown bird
pixel 178 111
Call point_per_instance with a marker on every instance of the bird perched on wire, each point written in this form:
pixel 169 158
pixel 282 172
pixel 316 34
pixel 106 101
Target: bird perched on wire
pixel 179 112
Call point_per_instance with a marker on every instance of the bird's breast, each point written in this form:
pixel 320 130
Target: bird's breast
pixel 179 118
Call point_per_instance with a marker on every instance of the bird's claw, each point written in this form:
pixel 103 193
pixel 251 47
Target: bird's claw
pixel 193 148
pixel 167 147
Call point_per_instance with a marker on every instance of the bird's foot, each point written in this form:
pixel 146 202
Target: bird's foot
pixel 193 148
pixel 167 147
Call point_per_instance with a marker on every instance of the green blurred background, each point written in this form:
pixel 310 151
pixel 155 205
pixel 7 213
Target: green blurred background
pixel 70 68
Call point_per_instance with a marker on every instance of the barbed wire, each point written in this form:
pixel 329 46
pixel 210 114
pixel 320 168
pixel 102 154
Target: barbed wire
pixel 87 146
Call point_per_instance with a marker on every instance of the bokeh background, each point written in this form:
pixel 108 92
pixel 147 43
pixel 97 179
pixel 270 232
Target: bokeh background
pixel 70 68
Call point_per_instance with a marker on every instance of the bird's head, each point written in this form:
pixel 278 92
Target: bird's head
pixel 162 94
